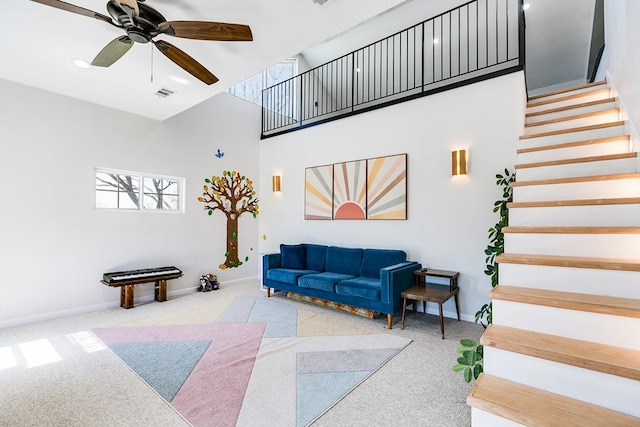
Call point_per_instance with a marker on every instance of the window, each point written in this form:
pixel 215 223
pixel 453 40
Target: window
pixel 251 88
pixel 124 190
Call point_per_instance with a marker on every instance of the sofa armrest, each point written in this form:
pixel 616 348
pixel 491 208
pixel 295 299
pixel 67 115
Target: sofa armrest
pixel 393 281
pixel 270 261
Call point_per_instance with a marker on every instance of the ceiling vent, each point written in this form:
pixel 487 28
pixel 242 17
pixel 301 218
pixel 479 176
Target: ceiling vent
pixel 319 2
pixel 164 93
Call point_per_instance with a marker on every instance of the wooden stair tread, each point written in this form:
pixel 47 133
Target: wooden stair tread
pixel 571 130
pixel 577 160
pixel 622 264
pixel 579 202
pixel 602 304
pixel 621 362
pixel 574 144
pixel 576 179
pixel 572 230
pixel 571 107
pixel 569 89
pixel 574 117
pixel 537 408
pixel 538 102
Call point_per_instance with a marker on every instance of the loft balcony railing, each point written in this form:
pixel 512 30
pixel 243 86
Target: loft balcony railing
pixel 476 41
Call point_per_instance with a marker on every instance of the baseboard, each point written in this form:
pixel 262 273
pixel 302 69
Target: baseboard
pixel 103 306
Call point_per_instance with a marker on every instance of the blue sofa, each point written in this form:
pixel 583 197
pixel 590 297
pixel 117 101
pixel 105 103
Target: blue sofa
pixel 366 278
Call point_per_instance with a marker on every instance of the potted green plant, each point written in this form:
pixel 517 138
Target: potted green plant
pixel 470 353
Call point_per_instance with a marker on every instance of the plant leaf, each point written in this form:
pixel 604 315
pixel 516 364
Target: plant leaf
pixel 468 342
pixel 477 370
pixel 467 375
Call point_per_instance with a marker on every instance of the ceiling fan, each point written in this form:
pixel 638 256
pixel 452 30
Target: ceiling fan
pixel 143 23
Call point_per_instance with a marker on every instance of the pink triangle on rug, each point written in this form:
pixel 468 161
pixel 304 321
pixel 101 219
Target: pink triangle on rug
pixel 213 394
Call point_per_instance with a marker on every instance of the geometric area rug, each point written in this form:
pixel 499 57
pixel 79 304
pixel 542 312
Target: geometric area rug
pixel 262 363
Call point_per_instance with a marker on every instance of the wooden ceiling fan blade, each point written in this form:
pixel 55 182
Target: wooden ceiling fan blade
pixel 202 30
pixel 113 51
pixel 186 62
pixel 75 9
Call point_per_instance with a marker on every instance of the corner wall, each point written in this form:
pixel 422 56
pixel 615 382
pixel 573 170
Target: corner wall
pixel 620 61
pixel 54 247
pixel 448 217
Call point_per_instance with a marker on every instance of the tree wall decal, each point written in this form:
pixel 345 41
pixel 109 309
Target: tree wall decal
pixel 233 194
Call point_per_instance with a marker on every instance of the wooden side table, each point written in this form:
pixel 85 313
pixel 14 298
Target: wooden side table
pixel 431 292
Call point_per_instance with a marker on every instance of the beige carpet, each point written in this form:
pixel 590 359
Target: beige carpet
pixel 56 373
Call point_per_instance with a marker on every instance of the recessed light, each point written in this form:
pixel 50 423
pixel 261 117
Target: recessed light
pixel 436 41
pixel 81 63
pixel 525 6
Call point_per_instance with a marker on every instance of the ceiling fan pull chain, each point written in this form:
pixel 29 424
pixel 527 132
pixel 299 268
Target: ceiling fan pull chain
pixel 151 46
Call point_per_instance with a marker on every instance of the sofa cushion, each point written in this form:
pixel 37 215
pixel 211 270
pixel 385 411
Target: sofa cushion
pixel 375 259
pixel 316 255
pixel 287 275
pixel 292 256
pixel 343 260
pixel 324 281
pixel 361 287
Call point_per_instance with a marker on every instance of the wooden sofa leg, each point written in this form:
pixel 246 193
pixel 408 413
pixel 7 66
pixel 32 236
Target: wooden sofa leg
pixel 389 321
pixel 268 292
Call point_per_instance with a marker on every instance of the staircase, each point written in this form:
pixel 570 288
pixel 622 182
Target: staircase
pixel 564 345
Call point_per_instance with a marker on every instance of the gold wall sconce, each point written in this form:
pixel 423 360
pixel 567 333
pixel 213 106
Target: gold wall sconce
pixel 459 162
pixel 275 183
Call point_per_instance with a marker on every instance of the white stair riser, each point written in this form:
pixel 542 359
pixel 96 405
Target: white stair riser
pixel 591 95
pixel 615 283
pixel 588 89
pixel 577 216
pixel 573 137
pixel 571 112
pixel 580 325
pixel 619 146
pixel 607 189
pixel 573 123
pixel 609 391
pixel 480 418
pixel 572 170
pixel 585 245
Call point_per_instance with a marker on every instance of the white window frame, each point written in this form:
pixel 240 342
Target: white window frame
pixel 180 181
pixel 264 76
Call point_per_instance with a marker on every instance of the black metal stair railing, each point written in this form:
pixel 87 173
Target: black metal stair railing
pixel 476 41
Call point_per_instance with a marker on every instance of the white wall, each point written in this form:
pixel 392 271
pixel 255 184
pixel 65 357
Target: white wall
pixel 54 247
pixel 448 217
pixel 621 58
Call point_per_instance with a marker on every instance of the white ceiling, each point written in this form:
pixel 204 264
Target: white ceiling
pixel 41 42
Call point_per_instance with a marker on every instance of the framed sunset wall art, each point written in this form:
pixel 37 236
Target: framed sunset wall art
pixel 350 190
pixel 387 187
pixel 318 200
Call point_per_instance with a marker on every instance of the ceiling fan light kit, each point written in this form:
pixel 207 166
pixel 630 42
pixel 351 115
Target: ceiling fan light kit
pixel 142 23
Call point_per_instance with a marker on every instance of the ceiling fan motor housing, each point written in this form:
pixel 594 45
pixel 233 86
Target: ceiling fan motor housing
pixel 141 28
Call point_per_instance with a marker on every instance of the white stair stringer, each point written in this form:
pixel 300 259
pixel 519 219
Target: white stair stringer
pixel 570 273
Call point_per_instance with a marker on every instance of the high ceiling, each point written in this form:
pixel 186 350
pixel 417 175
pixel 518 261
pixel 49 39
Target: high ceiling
pixel 41 42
